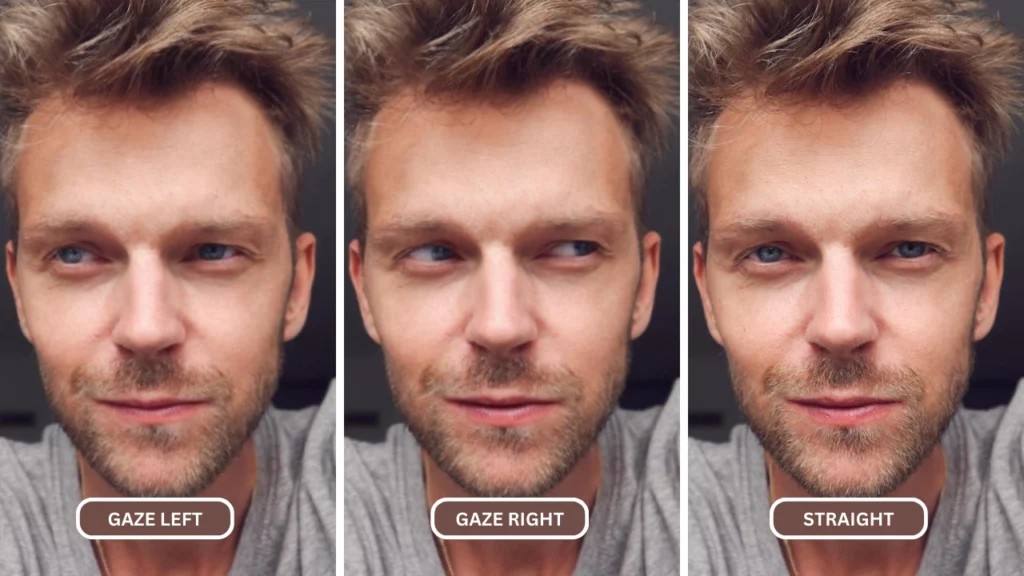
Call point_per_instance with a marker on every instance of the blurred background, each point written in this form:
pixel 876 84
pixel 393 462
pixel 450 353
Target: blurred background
pixel 999 363
pixel 309 359
pixel 369 409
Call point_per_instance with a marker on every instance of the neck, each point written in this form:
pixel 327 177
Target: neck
pixel 542 557
pixel 873 557
pixel 171 557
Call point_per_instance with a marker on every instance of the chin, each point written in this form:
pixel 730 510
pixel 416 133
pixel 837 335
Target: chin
pixel 508 476
pixel 153 475
pixel 835 474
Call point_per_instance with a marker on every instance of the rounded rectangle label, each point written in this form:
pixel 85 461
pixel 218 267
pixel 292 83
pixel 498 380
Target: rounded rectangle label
pixel 848 518
pixel 155 518
pixel 509 518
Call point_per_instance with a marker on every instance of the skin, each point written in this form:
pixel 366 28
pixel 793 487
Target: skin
pixel 838 191
pixel 156 236
pixel 473 211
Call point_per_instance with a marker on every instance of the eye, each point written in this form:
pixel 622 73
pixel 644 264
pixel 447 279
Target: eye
pixel 215 252
pixel 768 254
pixel 910 250
pixel 573 249
pixel 72 255
pixel 432 253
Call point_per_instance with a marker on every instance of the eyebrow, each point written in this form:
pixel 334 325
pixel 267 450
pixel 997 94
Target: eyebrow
pixel 942 224
pixel 748 226
pixel 46 229
pixel 945 225
pixel 399 228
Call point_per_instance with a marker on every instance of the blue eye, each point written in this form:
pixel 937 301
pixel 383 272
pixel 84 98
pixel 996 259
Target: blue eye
pixel 432 253
pixel 71 254
pixel 910 249
pixel 768 254
pixel 574 249
pixel 215 252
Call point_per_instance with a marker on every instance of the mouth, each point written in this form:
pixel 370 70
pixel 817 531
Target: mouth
pixel 151 411
pixel 503 411
pixel 845 411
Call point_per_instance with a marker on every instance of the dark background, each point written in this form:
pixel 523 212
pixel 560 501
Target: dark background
pixel 309 359
pixel 369 409
pixel 999 363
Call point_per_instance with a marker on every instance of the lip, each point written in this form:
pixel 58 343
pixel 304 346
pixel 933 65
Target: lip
pixel 503 411
pixel 151 411
pixel 845 411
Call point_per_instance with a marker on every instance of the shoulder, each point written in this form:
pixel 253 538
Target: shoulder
pixel 644 446
pixel 377 509
pixel 715 465
pixel 373 467
pixel 30 467
pixel 980 426
pixel 30 499
pixel 643 504
pixel 652 433
pixel 293 516
pixel 721 512
pixel 716 490
pixel 1000 433
pixel 714 471
pixel 305 438
pixel 1006 468
pixel 301 445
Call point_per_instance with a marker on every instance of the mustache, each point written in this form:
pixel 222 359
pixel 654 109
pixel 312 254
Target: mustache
pixel 146 373
pixel 828 373
pixel 491 372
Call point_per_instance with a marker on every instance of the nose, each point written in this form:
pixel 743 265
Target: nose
pixel 842 319
pixel 148 318
pixel 501 316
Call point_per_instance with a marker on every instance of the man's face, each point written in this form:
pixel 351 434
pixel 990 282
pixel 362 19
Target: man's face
pixel 502 278
pixel 843 276
pixel 152 275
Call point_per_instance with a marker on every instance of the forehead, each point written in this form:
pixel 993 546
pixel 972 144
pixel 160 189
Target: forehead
pixel 206 152
pixel 898 152
pixel 497 165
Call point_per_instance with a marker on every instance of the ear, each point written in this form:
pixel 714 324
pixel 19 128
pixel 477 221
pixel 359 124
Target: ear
pixel 700 276
pixel 355 272
pixel 992 280
pixel 12 261
pixel 650 267
pixel 297 308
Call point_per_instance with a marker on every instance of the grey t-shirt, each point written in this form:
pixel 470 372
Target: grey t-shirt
pixel 728 500
pixel 1004 498
pixel 634 526
pixel 289 528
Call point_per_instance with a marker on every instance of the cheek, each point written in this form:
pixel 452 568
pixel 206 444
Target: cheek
pixel 239 311
pixel 758 326
pixel 416 322
pixel 929 330
pixel 235 329
pixel 584 327
pixel 65 322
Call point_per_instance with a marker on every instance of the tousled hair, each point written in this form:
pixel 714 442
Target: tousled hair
pixel 832 51
pixel 502 49
pixel 145 51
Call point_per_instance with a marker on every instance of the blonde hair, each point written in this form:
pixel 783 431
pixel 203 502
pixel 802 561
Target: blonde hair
pixel 833 50
pixel 502 49
pixel 109 51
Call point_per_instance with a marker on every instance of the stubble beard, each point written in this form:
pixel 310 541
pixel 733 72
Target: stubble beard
pixel 202 448
pixel 548 453
pixel 890 453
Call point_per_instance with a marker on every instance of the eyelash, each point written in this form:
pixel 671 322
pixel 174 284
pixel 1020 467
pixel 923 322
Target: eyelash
pixel 192 256
pixel 591 246
pixel 888 252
